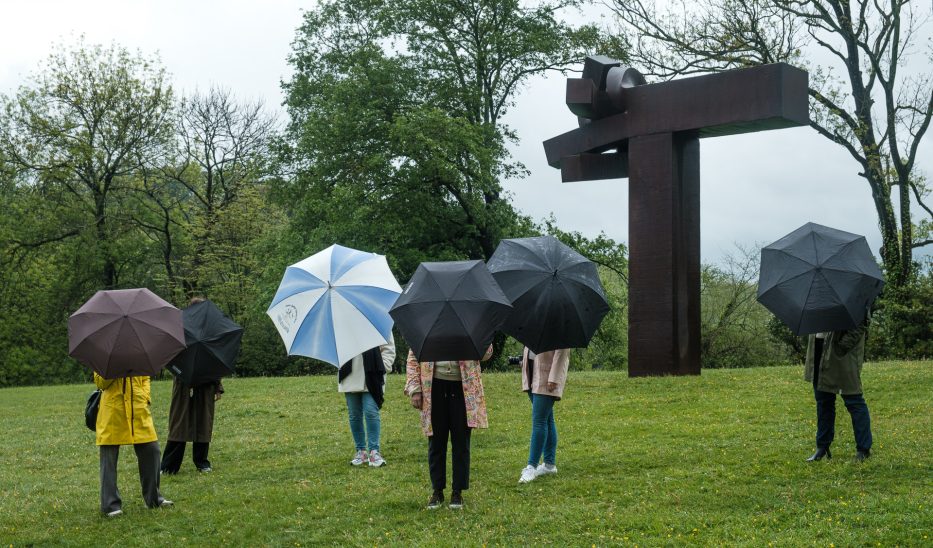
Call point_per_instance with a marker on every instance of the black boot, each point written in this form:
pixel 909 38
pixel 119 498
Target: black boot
pixel 860 455
pixel 820 453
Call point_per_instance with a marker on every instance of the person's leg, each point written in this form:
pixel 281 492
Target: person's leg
pixel 199 450
pixel 861 421
pixel 147 456
pixel 437 443
pixel 540 408
pixel 173 456
pixel 459 439
pixel 550 443
pixel 355 414
pixel 109 494
pixel 825 418
pixel 373 424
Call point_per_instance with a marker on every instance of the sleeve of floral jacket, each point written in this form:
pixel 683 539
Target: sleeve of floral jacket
pixel 412 375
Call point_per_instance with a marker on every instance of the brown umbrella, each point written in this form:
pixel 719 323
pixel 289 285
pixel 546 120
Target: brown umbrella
pixel 125 332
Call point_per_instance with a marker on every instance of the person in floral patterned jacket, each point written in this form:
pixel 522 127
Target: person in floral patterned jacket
pixel 452 403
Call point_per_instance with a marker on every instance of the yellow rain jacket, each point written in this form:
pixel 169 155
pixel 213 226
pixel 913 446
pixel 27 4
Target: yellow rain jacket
pixel 124 417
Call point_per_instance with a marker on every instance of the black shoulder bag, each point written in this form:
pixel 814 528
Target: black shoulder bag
pixel 90 410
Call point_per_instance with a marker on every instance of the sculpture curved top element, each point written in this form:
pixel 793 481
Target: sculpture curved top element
pixel 601 90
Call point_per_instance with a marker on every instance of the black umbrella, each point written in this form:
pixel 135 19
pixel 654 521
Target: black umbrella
pixel 557 298
pixel 450 310
pixel 213 342
pixel 819 279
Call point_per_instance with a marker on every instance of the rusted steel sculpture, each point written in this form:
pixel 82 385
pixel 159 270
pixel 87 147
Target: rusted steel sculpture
pixel 650 133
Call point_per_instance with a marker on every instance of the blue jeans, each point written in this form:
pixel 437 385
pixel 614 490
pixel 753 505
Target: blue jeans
pixel 826 419
pixel 361 405
pixel 543 430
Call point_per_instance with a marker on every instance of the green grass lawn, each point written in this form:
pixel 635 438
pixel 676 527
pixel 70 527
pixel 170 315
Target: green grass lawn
pixel 710 460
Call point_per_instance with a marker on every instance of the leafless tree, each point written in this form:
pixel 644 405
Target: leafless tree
pixel 222 146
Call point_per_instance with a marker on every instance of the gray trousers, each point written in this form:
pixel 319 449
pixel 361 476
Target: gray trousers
pixel 147 455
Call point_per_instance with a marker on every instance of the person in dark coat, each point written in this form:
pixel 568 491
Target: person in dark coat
pixel 834 366
pixel 190 418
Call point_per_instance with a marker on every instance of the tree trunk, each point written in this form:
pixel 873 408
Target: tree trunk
pixel 109 273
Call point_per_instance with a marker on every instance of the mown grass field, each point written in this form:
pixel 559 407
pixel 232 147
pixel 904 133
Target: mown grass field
pixel 713 460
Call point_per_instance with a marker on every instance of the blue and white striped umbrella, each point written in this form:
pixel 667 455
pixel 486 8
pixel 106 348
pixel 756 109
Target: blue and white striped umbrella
pixel 335 304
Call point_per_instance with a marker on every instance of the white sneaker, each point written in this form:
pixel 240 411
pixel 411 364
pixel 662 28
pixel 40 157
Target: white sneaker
pixel 360 458
pixel 114 514
pixel 166 504
pixel 543 469
pixel 376 460
pixel 528 473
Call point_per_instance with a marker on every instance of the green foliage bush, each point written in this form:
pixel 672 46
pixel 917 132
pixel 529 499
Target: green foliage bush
pixel 903 322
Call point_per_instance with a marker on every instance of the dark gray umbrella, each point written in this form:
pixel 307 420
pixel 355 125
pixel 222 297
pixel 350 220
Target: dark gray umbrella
pixel 450 310
pixel 125 332
pixel 819 279
pixel 213 342
pixel 557 298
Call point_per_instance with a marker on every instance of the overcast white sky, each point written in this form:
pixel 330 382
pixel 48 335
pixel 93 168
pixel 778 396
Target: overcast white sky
pixel 754 188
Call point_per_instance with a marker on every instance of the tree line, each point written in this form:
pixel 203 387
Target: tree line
pixel 396 141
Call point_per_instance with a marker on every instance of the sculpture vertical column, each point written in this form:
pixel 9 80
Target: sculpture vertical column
pixel 664 254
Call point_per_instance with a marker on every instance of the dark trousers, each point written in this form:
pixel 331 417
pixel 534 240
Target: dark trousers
pixel 174 454
pixel 147 455
pixel 448 419
pixel 826 416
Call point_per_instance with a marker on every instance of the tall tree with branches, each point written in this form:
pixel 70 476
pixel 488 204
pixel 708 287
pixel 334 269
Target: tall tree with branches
pixel 79 131
pixel 863 95
pixel 397 110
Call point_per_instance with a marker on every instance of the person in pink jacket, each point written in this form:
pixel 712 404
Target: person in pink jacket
pixel 543 377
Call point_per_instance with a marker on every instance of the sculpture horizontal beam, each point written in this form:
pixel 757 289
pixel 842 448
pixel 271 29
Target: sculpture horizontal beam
pixel 593 167
pixel 728 103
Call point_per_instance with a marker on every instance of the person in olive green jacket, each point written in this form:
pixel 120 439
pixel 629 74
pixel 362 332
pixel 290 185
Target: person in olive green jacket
pixel 834 366
pixel 125 418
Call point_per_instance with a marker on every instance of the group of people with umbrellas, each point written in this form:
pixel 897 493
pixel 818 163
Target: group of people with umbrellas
pixel 340 305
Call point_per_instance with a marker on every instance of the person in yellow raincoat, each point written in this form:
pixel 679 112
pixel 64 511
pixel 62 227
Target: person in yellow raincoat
pixel 125 418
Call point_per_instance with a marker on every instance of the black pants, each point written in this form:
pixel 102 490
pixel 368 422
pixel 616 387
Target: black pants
pixel 174 454
pixel 826 415
pixel 448 419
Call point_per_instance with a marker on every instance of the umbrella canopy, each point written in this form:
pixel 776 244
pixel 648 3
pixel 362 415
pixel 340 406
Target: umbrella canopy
pixel 818 278
pixel 213 342
pixel 557 298
pixel 335 304
pixel 450 310
pixel 125 332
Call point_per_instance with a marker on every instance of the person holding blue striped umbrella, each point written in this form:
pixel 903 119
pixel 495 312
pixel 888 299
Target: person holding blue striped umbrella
pixel 334 306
